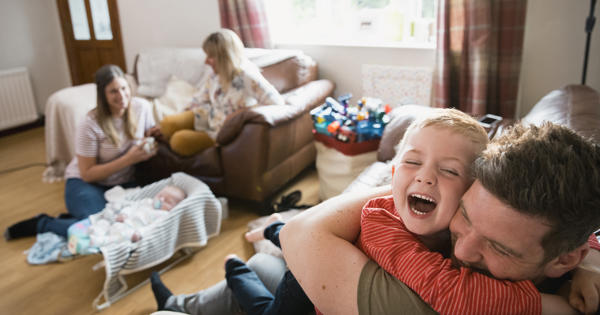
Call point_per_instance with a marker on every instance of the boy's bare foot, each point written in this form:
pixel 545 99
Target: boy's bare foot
pixel 258 233
pixel 231 256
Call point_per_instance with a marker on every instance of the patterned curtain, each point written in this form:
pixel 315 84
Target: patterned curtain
pixel 478 56
pixel 248 19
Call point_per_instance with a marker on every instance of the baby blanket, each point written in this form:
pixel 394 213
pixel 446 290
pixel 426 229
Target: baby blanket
pixel 189 224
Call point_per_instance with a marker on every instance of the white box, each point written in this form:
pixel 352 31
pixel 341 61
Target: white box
pixel 336 170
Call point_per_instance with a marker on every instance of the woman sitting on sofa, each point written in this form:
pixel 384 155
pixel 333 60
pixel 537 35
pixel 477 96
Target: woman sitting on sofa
pixel 235 84
pixel 106 151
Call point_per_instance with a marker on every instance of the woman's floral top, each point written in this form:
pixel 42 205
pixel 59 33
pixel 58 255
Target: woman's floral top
pixel 212 104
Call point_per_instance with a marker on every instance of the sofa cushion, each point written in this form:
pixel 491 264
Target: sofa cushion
pixel 575 106
pixel 291 73
pixel 177 97
pixel 155 67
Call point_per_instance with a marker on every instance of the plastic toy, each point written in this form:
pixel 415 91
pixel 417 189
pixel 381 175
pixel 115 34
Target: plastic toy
pixel 350 124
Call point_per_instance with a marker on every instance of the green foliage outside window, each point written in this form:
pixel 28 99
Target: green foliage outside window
pixel 304 9
pixel 371 4
pixel 428 9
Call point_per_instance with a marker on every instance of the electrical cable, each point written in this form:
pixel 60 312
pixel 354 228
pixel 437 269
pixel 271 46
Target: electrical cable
pixel 18 168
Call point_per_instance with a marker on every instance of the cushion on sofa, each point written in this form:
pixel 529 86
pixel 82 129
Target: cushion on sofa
pixel 155 67
pixel 575 106
pixel 291 72
pixel 178 95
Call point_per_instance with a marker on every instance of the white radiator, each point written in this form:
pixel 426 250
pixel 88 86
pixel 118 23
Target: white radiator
pixel 17 104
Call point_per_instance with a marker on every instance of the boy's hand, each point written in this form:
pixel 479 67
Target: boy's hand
pixel 585 291
pixel 555 305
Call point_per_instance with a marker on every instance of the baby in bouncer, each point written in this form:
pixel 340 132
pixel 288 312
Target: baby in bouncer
pixel 122 221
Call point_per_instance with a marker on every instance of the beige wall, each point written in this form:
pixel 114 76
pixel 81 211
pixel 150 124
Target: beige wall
pixel 343 65
pixel 159 23
pixel 31 37
pixel 553 49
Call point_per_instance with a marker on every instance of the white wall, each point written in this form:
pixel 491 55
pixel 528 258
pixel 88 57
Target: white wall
pixel 553 49
pixel 159 23
pixel 31 36
pixel 343 65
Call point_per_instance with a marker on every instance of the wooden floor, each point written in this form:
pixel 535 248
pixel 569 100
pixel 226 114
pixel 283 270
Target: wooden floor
pixel 70 287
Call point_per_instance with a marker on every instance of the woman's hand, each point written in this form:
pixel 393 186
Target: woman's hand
pixel 137 153
pixel 90 171
pixel 155 133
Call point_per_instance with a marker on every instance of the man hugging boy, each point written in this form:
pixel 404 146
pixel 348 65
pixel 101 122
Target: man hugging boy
pixel 399 232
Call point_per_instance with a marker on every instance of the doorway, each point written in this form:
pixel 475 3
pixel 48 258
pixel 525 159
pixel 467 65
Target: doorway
pixel 92 36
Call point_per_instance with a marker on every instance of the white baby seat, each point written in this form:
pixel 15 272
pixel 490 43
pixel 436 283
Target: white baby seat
pixel 189 225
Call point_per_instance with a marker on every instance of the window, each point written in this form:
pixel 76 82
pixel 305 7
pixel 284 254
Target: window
pixel 79 20
pixel 101 18
pixel 402 23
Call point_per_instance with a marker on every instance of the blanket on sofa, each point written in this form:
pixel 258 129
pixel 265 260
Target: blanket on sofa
pixel 65 110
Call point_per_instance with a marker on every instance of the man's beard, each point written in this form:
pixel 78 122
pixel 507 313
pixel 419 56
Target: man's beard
pixel 457 263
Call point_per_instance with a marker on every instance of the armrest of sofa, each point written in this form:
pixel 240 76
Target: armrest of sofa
pixel 299 101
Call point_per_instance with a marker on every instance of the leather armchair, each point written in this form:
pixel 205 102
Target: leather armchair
pixel 259 149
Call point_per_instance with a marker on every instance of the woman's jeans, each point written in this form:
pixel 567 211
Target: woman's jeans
pixel 82 199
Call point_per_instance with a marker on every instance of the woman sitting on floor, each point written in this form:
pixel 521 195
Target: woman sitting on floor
pixel 106 152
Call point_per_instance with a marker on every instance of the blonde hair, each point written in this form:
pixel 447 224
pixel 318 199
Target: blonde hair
pixel 453 120
pixel 228 51
pixel 104 76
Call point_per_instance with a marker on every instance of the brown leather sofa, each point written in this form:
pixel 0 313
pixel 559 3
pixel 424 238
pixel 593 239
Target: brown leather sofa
pixel 575 106
pixel 260 149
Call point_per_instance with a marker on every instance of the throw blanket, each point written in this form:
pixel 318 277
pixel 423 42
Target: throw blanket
pixel 65 109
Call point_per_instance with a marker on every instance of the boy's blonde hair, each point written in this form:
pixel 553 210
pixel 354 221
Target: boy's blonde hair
pixel 228 51
pixel 454 121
